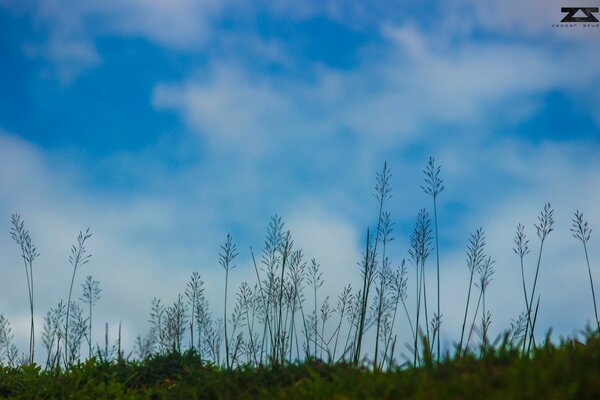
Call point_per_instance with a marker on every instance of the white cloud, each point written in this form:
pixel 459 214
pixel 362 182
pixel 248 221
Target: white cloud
pixel 226 107
pixel 417 82
pixel 71 29
pixel 333 241
pixel 179 24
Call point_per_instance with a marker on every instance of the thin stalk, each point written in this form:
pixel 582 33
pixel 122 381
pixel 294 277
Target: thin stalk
pixel 225 320
pixel 29 253
pixel 418 292
pixel 425 300
pixel 366 287
pixel 283 262
pixel 306 337
pixel 90 330
pixel 412 329
pixel 466 311
pixel 535 315
pixel 473 323
pixel 526 304
pixel 250 333
pixel 537 270
pixel 483 324
pixel 379 313
pixel 546 222
pixel 582 232
pixel 337 335
pixel 32 330
pixel 265 307
pixel 228 253
pixel 587 259
pixel 77 258
pixel 437 255
pixel 316 319
pixel 67 319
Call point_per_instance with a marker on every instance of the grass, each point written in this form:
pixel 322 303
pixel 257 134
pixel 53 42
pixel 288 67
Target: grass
pixel 28 253
pixel 567 370
pixel 280 338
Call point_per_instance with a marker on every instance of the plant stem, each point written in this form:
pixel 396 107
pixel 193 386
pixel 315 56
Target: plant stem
pixel 537 270
pixel 466 310
pixel 225 320
pixel 526 304
pixel 437 254
pixel 587 259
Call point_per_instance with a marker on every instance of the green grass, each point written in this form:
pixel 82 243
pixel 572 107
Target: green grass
pixel 565 370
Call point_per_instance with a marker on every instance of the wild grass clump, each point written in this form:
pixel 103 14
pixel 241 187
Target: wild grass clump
pixel 282 336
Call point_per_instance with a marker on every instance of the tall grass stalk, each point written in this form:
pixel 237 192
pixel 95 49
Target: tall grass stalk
pixel 29 253
pixel 296 276
pixel 193 291
pixel 91 294
pixel 482 279
pixel 264 308
pixel 544 227
pixel 51 335
pixel 344 300
pixel 226 256
pixel 384 276
pixel 434 185
pixel 285 251
pixel 399 281
pixel 383 192
pixel 271 258
pixel 315 279
pixel 487 272
pixel 78 258
pixel 582 231
pixel 420 249
pixel 522 249
pixel 367 272
pixel 475 257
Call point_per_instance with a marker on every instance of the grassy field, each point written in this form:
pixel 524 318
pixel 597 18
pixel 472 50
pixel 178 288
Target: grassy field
pixel 568 370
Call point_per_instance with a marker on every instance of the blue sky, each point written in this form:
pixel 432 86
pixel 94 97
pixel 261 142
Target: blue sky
pixel 164 125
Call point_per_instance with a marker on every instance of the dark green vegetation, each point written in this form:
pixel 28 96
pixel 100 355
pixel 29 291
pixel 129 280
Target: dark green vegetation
pixel 568 370
pixel 281 337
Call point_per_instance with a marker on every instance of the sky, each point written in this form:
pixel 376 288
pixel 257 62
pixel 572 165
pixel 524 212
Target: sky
pixel 164 125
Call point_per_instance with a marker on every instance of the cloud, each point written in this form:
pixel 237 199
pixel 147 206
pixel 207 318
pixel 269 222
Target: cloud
pixel 72 29
pixel 226 107
pixel 413 84
pixel 179 24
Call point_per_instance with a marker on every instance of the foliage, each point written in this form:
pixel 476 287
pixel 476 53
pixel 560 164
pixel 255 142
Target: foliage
pixel 567 369
pixel 282 338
